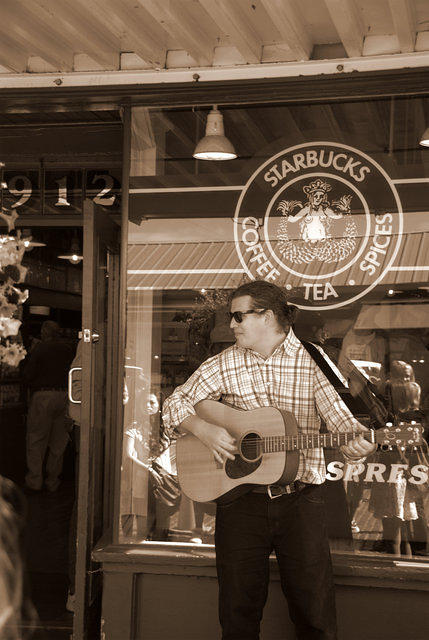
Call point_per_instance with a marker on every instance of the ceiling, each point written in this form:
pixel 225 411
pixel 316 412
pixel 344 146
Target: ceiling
pixel 48 36
pixel 387 129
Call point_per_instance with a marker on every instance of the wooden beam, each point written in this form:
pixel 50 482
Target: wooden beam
pixel 127 21
pixel 83 32
pixel 285 120
pixel 141 127
pixel 335 130
pixel 372 112
pixel 169 125
pixel 31 32
pixel 386 45
pixel 252 133
pixel 12 56
pixel 288 22
pixel 182 28
pixel 234 23
pixel 143 143
pixel 404 20
pixel 420 124
pixel 348 23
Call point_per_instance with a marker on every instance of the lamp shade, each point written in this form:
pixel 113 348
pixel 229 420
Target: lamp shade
pixel 39 310
pixel 74 256
pixel 424 140
pixel 29 242
pixel 214 145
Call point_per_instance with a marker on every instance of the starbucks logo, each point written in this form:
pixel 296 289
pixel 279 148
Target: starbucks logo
pixel 322 218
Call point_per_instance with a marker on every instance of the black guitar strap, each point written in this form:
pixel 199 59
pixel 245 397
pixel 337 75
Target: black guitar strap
pixel 366 406
pixel 330 374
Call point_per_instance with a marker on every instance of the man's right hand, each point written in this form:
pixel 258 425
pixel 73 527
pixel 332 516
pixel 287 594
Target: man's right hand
pixel 217 439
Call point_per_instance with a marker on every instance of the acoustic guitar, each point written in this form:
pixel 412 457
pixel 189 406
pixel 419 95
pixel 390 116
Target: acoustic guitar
pixel 268 445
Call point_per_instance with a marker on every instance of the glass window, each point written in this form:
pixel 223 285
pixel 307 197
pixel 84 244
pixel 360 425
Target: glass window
pixel 329 201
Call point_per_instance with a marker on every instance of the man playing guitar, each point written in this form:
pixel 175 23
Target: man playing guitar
pixel 268 366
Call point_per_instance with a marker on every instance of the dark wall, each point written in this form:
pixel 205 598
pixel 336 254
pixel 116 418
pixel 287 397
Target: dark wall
pixel 161 606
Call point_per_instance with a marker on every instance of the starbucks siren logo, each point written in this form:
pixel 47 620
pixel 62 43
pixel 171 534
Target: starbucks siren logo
pixel 321 217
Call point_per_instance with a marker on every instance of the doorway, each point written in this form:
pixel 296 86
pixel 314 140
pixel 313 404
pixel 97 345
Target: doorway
pixel 54 288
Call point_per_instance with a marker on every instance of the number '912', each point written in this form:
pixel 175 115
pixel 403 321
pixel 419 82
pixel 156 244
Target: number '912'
pixel 61 189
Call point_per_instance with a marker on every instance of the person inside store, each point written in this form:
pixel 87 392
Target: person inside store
pixel 45 372
pixel 268 366
pixel 399 504
pixel 143 454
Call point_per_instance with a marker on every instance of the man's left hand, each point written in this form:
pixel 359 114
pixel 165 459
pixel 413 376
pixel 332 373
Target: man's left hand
pixel 358 448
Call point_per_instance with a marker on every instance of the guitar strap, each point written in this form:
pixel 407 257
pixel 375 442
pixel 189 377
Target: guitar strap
pixel 366 406
pixel 330 374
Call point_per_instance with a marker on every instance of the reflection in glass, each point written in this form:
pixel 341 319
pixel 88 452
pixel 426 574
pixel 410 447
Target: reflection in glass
pixel 182 263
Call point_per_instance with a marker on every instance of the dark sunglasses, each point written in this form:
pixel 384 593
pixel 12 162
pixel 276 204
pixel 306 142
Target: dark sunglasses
pixel 239 315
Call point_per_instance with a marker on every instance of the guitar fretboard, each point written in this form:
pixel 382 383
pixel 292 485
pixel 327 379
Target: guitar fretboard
pixel 274 444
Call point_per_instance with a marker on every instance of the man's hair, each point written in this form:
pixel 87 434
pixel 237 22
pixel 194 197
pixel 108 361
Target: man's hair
pixel 50 329
pixel 266 295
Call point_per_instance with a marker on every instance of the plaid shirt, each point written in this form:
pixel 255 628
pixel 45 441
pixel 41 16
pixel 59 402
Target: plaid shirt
pixel 289 379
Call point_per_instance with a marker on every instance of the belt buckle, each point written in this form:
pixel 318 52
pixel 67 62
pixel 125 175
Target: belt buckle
pixel 270 493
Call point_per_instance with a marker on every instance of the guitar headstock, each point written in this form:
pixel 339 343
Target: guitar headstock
pixel 402 435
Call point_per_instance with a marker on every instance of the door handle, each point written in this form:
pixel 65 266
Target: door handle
pixel 71 399
pixel 90 336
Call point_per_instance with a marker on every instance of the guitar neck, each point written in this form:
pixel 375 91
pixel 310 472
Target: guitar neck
pixel 275 444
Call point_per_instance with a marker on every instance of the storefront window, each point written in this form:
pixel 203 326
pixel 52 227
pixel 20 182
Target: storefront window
pixel 328 201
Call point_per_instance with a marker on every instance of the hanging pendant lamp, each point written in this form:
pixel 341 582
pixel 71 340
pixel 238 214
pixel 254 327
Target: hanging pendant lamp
pixel 424 140
pixel 29 241
pixel 215 145
pixel 74 256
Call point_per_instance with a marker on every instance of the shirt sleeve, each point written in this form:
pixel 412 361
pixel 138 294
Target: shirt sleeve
pixel 204 384
pixel 331 407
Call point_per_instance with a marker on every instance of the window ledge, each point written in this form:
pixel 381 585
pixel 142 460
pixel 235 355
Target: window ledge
pixel 189 559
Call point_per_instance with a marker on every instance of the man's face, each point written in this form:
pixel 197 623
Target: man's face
pixel 252 330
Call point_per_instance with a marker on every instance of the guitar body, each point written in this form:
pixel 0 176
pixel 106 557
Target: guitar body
pixel 203 479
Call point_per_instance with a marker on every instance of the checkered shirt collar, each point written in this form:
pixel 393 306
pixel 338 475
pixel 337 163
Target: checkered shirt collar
pixel 290 345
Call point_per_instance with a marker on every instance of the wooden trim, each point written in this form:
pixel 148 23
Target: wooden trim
pixel 310 89
pixel 118 609
pixel 349 568
pixel 113 381
pixel 122 317
pixel 85 431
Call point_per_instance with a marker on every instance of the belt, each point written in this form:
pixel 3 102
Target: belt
pixel 277 490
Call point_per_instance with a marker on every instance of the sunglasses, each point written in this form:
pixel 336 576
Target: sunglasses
pixel 239 315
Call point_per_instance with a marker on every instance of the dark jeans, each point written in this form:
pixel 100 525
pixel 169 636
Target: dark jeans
pixel 247 531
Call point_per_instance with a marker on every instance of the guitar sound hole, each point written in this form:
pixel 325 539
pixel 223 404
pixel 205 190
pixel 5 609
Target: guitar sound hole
pixel 239 468
pixel 250 447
